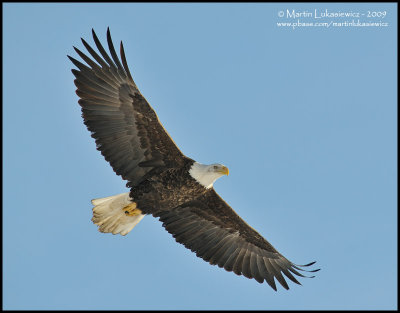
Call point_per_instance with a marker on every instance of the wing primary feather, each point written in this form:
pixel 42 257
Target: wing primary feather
pixel 102 51
pixel 255 272
pixel 224 246
pixel 299 274
pixel 290 276
pixel 264 272
pixel 112 50
pixel 237 267
pixel 78 64
pixel 246 264
pixel 102 78
pixel 214 253
pixel 215 239
pixel 279 275
pixel 300 269
pixel 269 278
pixel 91 63
pixel 284 267
pixel 271 269
pixel 230 262
pixel 296 266
pixel 123 58
pixel 223 259
pixel 305 265
pixel 91 86
pixel 97 85
pixel 94 54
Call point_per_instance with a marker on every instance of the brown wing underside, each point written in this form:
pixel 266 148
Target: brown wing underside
pixel 126 128
pixel 212 229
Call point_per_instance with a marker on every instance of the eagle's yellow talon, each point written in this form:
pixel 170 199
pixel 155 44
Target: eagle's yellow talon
pixel 131 210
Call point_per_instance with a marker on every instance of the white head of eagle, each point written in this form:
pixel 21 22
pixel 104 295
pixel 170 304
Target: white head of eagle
pixel 206 175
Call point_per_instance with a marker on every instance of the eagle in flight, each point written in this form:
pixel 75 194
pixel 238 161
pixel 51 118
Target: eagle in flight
pixel 163 181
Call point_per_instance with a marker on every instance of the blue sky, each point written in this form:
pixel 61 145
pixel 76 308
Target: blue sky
pixel 304 118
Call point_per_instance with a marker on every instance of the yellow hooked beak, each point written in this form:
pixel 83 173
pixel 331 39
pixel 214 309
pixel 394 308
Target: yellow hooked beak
pixel 224 170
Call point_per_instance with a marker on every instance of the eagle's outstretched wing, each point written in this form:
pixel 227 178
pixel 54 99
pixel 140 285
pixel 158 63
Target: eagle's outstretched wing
pixel 126 128
pixel 211 228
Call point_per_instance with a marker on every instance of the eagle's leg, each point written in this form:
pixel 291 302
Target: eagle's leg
pixel 131 209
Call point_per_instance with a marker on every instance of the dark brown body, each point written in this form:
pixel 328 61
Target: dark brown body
pixel 166 189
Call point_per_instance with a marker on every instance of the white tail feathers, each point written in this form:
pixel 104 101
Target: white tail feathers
pixel 116 214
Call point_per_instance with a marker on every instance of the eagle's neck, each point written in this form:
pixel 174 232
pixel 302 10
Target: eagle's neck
pixel 202 174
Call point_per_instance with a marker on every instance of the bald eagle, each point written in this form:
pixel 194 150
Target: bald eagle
pixel 163 181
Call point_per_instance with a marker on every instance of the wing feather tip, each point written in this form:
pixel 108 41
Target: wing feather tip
pixel 306 265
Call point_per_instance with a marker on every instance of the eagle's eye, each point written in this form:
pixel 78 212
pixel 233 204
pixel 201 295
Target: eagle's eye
pixel 215 167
